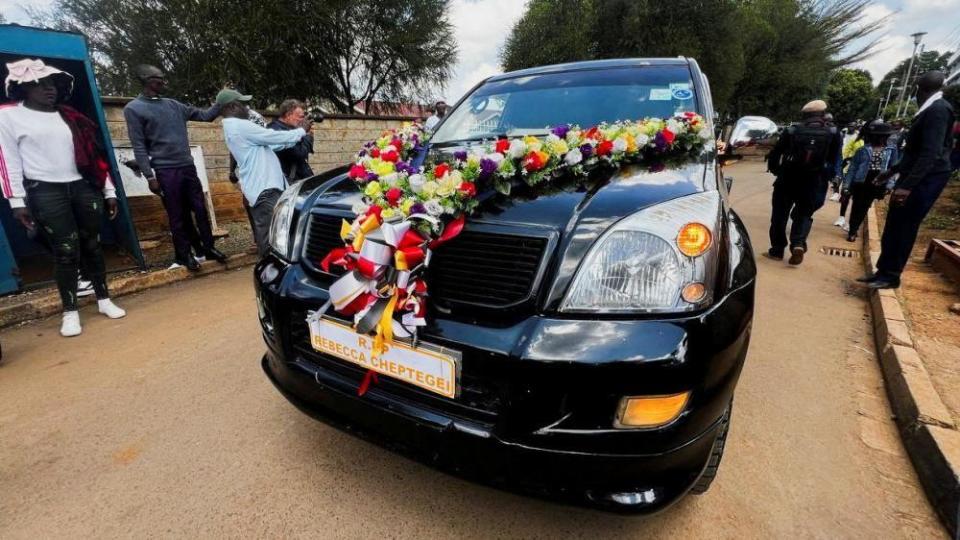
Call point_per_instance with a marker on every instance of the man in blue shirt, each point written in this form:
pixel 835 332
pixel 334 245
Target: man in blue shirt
pixel 261 178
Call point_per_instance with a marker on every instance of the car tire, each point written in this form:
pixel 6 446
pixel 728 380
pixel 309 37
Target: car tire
pixel 710 472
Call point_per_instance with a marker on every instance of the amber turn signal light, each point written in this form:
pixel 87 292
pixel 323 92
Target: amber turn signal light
pixel 693 293
pixel 694 239
pixel 650 411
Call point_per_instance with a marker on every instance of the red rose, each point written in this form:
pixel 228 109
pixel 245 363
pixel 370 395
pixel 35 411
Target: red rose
pixel 668 136
pixel 503 146
pixel 467 189
pixel 393 195
pixel 390 156
pixel 533 162
pixel 397 143
pixel 375 153
pixel 441 170
pixel 357 171
pixel 592 133
pixel 605 148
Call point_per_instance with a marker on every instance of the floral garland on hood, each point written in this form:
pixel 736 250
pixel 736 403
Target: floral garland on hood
pixel 408 211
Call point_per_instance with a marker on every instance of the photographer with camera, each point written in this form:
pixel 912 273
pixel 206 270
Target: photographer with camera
pixel 293 160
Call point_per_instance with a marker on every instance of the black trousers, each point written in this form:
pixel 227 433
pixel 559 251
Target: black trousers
pixel 797 200
pixel 862 196
pixel 903 223
pixel 183 196
pixel 69 216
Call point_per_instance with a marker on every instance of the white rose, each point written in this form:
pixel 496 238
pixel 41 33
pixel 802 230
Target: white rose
pixel 551 138
pixel 706 134
pixel 674 126
pixel 434 208
pixel 518 148
pixel 360 208
pixel 416 182
pixel 619 145
pixel 573 157
pixel 389 180
pixel 495 157
pixel 642 140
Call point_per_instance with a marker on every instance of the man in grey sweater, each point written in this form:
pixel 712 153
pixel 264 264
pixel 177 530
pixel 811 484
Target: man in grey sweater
pixel 158 132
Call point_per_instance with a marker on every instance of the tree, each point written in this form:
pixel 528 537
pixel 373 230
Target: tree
pixel 763 57
pixel 340 52
pixel 850 95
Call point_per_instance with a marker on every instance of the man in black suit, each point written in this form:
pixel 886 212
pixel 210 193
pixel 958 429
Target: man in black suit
pixel 924 170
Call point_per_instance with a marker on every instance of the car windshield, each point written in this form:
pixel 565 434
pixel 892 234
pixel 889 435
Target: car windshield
pixel 528 105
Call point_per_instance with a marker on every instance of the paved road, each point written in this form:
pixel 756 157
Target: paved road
pixel 162 424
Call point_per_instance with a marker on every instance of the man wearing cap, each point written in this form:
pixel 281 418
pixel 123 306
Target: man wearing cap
pixel 806 157
pixel 262 180
pixel 157 127
pixel 924 171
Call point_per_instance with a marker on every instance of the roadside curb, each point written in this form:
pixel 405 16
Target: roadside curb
pixel 927 429
pixel 49 304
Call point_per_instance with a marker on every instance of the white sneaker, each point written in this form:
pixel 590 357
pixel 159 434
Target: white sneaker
pixel 71 324
pixel 84 287
pixel 200 259
pixel 174 266
pixel 845 227
pixel 108 308
pixel 840 222
pixel 835 197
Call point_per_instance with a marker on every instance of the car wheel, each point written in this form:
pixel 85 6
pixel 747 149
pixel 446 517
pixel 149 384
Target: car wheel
pixel 710 472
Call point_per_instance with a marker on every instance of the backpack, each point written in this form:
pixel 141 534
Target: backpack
pixel 809 146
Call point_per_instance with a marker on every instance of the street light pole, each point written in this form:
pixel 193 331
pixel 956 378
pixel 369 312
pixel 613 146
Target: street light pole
pixel 884 103
pixel 917 37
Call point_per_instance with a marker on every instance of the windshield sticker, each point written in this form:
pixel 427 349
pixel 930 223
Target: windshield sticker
pixel 659 94
pixel 679 86
pixel 682 94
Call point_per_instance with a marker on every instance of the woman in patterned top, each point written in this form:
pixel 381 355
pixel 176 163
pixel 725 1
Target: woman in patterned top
pixel 866 165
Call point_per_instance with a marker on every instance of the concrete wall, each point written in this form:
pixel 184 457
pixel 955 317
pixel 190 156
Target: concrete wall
pixel 336 142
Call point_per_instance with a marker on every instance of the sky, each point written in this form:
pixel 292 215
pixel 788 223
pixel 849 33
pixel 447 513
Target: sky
pixel 483 25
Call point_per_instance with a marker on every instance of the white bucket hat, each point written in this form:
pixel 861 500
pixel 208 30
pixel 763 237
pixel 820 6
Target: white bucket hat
pixel 30 70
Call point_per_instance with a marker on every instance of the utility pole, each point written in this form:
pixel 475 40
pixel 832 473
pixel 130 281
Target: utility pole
pixel 885 102
pixel 917 38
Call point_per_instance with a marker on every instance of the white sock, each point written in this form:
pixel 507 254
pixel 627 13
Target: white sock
pixel 108 308
pixel 71 324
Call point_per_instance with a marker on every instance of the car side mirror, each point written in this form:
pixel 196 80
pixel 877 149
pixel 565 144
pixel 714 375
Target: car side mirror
pixel 728 181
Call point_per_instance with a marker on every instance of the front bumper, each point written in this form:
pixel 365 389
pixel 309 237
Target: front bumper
pixel 536 406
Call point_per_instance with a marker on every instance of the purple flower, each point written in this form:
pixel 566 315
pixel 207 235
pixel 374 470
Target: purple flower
pixel 586 150
pixel 460 155
pixel 561 130
pixel 487 167
pixel 418 208
pixel 660 142
pixel 371 177
pixel 361 153
pixel 403 166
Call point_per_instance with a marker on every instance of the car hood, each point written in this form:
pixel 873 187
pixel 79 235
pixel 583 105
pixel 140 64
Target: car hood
pixel 605 198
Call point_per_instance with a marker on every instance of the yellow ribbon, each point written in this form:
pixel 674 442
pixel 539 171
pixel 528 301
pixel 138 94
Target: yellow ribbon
pixel 369 224
pixel 384 335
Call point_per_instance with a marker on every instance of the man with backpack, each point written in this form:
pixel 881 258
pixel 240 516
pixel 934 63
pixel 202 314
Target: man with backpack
pixel 806 157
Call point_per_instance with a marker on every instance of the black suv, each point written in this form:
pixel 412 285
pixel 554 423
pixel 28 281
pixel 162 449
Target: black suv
pixel 589 366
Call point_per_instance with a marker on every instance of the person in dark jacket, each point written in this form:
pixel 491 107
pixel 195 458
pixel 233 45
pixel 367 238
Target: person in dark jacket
pixel 924 170
pixel 804 160
pixel 293 160
pixel 866 165
pixel 157 127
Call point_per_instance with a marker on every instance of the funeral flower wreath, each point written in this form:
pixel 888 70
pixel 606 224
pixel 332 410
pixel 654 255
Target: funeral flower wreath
pixel 407 210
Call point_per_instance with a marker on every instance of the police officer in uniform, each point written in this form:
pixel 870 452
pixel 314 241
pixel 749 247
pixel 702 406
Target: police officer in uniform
pixel 924 170
pixel 804 160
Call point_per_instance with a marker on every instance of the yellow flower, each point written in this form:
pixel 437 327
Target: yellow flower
pixel 373 189
pixel 533 143
pixel 448 186
pixel 388 213
pixel 382 168
pixel 631 143
pixel 406 205
pixel 430 188
pixel 558 147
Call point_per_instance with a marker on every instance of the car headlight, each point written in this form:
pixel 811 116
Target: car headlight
pixel 660 259
pixel 281 227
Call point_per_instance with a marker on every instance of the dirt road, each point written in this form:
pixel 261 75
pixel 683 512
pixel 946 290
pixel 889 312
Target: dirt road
pixel 163 424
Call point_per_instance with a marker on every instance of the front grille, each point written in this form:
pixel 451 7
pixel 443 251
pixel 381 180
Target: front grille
pixel 476 267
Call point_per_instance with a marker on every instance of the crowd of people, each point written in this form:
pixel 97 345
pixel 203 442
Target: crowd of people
pixel 864 163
